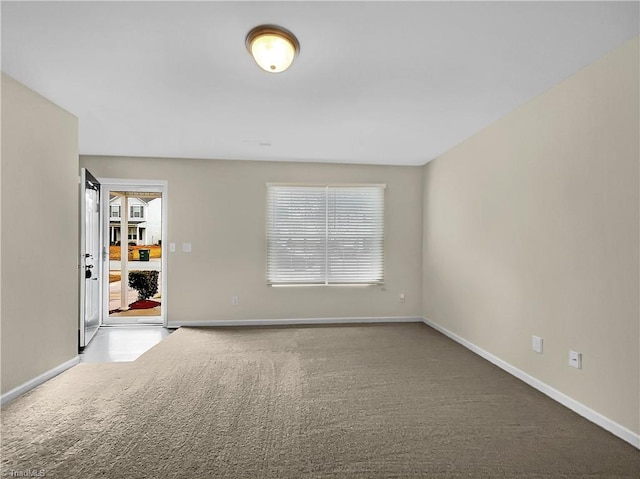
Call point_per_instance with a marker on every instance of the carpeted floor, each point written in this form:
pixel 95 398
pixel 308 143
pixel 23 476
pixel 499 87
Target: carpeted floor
pixel 361 401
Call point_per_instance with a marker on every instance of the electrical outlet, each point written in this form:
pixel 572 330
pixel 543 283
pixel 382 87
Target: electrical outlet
pixel 536 344
pixel 235 300
pixel 401 298
pixel 575 359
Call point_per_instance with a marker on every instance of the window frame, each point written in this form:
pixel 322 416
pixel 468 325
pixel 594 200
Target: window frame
pixel 131 210
pixel 326 282
pixel 132 236
pixel 111 215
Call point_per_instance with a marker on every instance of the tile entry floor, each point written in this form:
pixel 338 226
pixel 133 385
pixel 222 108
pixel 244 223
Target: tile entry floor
pixel 122 343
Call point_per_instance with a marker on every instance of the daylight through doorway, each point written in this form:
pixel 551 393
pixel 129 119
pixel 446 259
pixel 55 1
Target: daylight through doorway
pixel 135 256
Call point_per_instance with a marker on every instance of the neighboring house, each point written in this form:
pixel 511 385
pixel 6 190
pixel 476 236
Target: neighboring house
pixel 144 220
pixel 153 227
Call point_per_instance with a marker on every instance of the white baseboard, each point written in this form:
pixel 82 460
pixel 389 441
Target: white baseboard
pixel 37 381
pixel 300 321
pixel 576 406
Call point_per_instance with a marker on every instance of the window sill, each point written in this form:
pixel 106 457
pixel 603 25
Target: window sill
pixel 332 285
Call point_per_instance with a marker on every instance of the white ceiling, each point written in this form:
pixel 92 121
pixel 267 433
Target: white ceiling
pixel 375 82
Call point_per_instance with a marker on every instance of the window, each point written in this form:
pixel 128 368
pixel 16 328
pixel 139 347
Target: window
pixel 133 233
pixel 136 211
pixel 115 211
pixel 325 234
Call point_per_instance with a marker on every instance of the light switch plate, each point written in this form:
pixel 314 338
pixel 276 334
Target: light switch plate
pixel 172 247
pixel 537 344
pixel 186 247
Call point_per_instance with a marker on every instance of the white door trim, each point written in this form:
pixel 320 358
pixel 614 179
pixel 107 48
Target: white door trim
pixel 120 184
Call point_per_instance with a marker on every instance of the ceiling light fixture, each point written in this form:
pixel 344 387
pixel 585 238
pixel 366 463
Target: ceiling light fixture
pixel 273 48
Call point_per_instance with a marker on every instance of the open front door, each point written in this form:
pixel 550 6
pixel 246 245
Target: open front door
pixel 90 257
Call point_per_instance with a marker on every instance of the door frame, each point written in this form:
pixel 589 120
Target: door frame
pixel 126 184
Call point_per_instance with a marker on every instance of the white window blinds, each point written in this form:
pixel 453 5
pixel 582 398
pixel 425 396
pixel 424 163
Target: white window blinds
pixel 325 234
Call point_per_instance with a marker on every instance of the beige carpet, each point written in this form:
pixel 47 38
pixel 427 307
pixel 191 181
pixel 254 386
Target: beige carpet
pixel 376 401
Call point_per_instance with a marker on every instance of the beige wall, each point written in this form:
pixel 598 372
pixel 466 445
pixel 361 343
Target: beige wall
pixel 220 207
pixel 531 228
pixel 39 235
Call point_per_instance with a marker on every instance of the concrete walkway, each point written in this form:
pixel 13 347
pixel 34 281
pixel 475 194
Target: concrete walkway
pixel 154 264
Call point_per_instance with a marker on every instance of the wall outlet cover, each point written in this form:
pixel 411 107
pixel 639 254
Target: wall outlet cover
pixel 575 359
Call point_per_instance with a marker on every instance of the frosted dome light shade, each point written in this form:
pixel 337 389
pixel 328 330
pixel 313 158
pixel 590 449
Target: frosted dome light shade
pixel 272 53
pixel 273 48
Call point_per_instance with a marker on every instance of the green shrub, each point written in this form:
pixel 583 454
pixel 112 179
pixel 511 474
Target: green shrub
pixel 144 282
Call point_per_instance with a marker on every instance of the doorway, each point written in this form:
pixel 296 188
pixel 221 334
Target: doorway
pixel 134 227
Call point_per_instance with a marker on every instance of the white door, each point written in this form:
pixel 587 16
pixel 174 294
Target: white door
pixel 90 257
